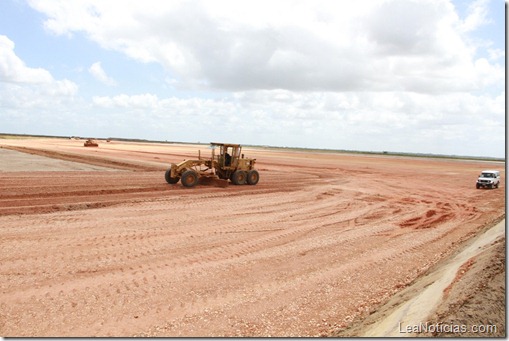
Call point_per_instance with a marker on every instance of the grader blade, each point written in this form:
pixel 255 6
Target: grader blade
pixel 212 181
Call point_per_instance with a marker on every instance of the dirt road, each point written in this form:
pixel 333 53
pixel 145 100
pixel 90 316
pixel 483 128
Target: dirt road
pixel 323 239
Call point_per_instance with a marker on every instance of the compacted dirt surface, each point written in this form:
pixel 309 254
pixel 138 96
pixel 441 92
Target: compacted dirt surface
pixel 98 244
pixel 461 296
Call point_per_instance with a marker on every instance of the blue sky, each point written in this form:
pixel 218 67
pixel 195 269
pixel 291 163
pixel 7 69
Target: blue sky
pixel 421 76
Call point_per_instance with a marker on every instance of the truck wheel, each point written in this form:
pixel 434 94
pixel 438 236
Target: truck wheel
pixel 253 177
pixel 169 179
pixel 477 186
pixel 239 177
pixel 189 178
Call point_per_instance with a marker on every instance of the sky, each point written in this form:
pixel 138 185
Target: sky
pixel 414 76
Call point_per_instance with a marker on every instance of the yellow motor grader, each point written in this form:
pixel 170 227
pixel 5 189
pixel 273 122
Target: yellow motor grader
pixel 228 164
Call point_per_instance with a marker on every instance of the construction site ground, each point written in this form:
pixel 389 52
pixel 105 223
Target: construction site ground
pixel 94 242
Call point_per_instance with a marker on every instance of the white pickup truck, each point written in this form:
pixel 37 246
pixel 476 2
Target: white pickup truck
pixel 488 178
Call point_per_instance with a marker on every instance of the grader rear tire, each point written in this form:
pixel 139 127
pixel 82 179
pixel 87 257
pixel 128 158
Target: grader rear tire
pixel 239 177
pixel 169 179
pixel 189 178
pixel 253 177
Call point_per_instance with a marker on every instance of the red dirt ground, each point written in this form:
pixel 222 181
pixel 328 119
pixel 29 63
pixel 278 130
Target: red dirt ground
pixel 323 239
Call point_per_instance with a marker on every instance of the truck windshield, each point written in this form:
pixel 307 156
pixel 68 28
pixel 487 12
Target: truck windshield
pixel 487 175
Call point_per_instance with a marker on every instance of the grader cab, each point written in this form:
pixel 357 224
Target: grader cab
pixel 228 164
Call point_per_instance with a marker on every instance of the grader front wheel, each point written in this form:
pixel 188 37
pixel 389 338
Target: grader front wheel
pixel 169 179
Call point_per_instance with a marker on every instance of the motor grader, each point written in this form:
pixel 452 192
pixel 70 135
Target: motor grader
pixel 228 164
pixel 90 143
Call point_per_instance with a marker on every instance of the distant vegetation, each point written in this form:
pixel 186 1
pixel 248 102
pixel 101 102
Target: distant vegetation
pixel 345 151
pixel 308 150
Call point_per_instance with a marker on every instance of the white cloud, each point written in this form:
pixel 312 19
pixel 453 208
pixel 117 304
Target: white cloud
pixel 401 75
pixel 23 85
pixel 296 45
pixel 32 100
pixel 396 121
pixel 14 70
pixel 496 54
pixel 477 16
pixel 97 71
pixel 145 101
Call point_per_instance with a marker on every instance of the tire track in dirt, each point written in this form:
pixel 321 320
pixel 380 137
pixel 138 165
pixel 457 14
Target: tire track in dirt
pixel 303 253
pixel 209 256
pixel 26 193
pixel 206 255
